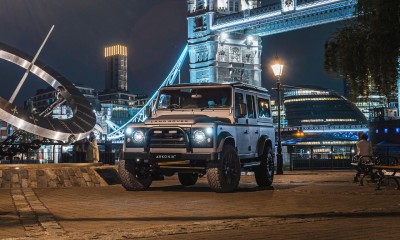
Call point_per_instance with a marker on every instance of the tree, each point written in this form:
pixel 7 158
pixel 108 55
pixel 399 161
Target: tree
pixel 366 52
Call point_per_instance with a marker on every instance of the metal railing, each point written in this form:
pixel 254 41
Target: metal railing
pixel 387 154
pixel 50 154
pixel 326 161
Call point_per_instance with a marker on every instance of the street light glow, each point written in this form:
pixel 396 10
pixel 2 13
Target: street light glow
pixel 277 67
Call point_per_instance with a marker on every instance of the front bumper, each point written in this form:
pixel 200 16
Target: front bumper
pixel 165 157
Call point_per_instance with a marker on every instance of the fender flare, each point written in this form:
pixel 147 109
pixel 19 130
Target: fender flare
pixel 224 137
pixel 263 141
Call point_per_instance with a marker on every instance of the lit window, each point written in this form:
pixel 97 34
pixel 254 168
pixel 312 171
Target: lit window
pixel 385 130
pixel 377 131
pixel 398 130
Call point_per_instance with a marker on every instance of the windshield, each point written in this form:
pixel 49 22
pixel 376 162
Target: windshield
pixel 202 98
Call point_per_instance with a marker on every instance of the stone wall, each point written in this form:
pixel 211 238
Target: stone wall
pixel 50 175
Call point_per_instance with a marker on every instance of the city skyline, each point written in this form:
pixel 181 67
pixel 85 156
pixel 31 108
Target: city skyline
pixel 75 48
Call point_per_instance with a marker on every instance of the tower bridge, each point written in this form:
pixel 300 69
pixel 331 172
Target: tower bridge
pixel 272 19
pixel 224 38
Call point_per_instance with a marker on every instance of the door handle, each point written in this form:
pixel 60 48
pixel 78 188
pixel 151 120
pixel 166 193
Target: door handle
pixel 246 132
pixel 256 132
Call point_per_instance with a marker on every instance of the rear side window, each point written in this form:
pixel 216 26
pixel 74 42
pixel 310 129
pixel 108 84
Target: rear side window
pixel 251 113
pixel 264 109
pixel 238 100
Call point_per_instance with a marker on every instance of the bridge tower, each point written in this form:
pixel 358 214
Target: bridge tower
pixel 218 56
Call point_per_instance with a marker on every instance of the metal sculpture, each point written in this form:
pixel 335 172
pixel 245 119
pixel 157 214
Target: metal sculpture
pixel 66 130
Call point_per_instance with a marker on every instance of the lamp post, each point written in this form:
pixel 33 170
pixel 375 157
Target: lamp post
pixel 277 68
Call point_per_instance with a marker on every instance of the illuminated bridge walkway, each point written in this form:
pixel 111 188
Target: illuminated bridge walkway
pixel 272 19
pixel 262 21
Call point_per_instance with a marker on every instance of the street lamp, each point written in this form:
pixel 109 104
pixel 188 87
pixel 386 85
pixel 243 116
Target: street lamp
pixel 277 67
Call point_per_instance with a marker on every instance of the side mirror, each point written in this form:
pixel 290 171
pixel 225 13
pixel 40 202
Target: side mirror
pixel 149 111
pixel 242 109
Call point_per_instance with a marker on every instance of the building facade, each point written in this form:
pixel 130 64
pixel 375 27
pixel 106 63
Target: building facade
pixel 217 56
pixel 118 105
pixel 116 67
pixel 322 107
pixel 5 130
pixel 321 128
pixel 44 98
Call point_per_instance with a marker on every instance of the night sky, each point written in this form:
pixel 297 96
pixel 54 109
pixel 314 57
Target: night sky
pixel 155 32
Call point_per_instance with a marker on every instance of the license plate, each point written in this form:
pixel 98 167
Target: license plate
pixel 165 156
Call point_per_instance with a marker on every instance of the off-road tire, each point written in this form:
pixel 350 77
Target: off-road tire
pixel 265 172
pixel 224 176
pixel 130 179
pixel 188 179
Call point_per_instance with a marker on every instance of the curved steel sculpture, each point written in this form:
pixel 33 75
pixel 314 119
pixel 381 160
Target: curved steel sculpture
pixel 75 128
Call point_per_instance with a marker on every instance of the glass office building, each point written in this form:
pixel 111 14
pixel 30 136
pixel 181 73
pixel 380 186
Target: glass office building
pixel 307 106
pixel 321 129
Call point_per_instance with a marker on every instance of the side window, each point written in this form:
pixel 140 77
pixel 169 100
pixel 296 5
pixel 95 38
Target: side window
pixel 164 101
pixel 251 113
pixel 238 100
pixel 264 110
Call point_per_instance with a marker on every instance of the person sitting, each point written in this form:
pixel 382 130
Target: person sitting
pixel 364 159
pixel 364 147
pixel 264 112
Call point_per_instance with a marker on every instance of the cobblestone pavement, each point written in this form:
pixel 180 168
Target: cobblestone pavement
pixel 300 205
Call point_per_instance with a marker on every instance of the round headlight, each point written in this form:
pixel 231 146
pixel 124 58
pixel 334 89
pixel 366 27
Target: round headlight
pixel 128 131
pixel 138 136
pixel 199 136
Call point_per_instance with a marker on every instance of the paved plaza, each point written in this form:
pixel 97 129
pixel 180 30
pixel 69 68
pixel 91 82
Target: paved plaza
pixel 300 205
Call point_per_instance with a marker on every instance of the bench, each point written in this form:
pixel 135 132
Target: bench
pixel 387 172
pixel 364 166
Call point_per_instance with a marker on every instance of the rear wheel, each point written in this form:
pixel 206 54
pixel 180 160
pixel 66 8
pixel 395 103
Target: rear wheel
pixel 134 177
pixel 188 179
pixel 225 176
pixel 265 172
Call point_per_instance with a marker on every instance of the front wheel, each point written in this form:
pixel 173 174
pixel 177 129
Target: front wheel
pixel 134 177
pixel 188 179
pixel 265 172
pixel 225 176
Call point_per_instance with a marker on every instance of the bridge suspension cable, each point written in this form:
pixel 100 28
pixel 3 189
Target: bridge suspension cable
pixel 140 116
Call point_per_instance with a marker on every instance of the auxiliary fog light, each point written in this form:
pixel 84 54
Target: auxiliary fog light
pixel 209 130
pixel 129 131
pixel 138 136
pixel 199 136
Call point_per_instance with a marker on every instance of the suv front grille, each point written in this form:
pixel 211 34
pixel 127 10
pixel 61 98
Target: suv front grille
pixel 167 138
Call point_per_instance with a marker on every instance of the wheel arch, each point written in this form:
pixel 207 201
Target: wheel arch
pixel 225 138
pixel 262 143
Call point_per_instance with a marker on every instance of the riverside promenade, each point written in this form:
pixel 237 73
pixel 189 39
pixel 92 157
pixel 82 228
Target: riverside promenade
pixel 299 205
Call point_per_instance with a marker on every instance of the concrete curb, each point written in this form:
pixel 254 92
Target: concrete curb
pixel 52 175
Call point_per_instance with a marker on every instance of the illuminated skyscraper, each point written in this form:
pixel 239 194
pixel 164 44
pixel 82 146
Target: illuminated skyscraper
pixel 117 103
pixel 116 68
